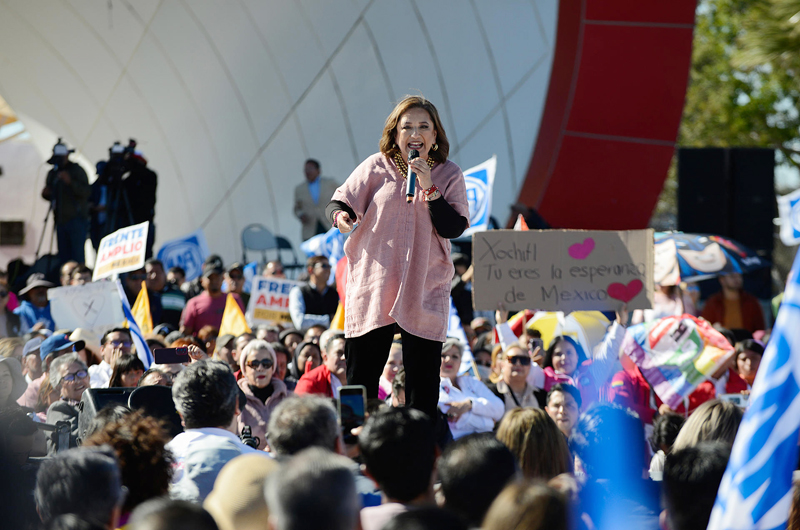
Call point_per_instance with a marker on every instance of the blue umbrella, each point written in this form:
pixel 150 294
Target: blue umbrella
pixel 683 257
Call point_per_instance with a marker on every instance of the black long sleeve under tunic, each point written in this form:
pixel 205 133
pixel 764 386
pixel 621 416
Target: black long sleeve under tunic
pixel 447 222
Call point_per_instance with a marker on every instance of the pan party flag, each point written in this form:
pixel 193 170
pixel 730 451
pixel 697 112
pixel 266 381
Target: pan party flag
pixel 233 321
pixel 675 354
pixel 756 490
pixel 141 311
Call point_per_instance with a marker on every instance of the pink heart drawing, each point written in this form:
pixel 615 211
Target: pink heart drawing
pixel 625 293
pixel 582 250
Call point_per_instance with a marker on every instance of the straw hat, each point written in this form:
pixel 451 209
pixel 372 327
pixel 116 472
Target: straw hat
pixel 237 500
pixel 91 340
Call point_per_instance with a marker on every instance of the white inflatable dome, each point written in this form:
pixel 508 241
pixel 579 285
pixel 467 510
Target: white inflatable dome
pixel 227 99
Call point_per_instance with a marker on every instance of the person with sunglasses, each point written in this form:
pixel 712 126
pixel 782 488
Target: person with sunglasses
pixel 263 390
pixel 565 362
pixel 513 388
pixel 114 344
pixel 314 302
pixel 70 377
pixel 234 279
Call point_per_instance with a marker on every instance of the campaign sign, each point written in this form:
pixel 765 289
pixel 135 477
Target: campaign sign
pixel 479 181
pixel 95 306
pixel 563 270
pixel 269 300
pixel 789 208
pixel 188 252
pixel 121 251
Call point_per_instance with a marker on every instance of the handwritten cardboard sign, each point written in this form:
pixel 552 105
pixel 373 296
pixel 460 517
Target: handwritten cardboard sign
pixel 121 251
pixel 269 300
pixel 563 270
pixel 95 306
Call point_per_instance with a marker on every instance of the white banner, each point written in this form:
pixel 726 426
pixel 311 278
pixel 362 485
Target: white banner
pixel 121 251
pixel 93 306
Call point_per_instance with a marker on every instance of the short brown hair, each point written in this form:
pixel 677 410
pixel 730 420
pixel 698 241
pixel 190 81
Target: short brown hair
pixel 388 145
pixel 535 440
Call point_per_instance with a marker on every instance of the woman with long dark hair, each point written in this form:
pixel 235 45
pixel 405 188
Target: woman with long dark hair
pixel 128 369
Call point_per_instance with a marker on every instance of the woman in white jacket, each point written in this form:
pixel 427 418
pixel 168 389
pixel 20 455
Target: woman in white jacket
pixel 470 406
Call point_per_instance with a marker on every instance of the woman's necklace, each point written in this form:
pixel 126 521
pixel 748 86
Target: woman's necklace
pixel 403 167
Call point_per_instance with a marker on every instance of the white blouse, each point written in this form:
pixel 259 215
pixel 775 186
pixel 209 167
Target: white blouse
pixel 486 407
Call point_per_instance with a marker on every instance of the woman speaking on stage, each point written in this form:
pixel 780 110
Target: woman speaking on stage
pixel 399 267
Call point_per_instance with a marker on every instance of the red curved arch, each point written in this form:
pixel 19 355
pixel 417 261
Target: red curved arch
pixel 613 108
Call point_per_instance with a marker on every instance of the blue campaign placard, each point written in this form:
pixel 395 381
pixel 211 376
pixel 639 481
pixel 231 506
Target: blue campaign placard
pixel 188 252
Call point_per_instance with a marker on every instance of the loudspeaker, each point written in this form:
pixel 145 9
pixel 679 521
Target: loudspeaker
pixel 156 401
pixel 703 191
pixel 94 400
pixel 754 204
pixel 730 193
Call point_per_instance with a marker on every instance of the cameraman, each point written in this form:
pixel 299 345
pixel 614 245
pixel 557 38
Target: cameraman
pixel 67 187
pixel 140 186
pixel 124 194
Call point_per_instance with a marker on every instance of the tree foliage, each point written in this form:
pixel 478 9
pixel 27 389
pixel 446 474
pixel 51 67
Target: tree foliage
pixel 740 94
pixel 743 89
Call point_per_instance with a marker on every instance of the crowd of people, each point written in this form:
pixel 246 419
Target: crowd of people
pixel 531 440
pixel 498 431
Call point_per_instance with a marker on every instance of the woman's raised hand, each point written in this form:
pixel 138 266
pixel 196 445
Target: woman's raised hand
pixel 196 354
pixel 622 315
pixel 343 222
pixel 501 315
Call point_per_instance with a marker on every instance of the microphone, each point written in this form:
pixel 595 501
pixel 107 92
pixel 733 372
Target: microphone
pixel 411 179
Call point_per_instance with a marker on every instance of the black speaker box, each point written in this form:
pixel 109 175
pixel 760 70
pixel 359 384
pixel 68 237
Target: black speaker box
pixel 730 193
pixel 93 400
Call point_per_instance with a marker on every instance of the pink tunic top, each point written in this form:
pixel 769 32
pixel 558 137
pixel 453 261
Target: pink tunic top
pixel 399 267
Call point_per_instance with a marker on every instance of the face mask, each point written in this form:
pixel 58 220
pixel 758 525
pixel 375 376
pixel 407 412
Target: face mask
pixel 484 372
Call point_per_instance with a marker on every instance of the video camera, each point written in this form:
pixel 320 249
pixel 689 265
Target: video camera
pixel 112 171
pixel 59 150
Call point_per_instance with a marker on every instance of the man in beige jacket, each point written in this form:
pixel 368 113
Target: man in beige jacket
pixel 310 199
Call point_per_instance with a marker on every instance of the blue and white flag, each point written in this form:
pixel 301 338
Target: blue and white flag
pixel 188 252
pixel 330 244
pixel 789 208
pixel 142 350
pixel 756 490
pixel 479 181
pixel 455 329
pixel 250 271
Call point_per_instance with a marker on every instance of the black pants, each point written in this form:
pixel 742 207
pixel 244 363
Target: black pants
pixel 422 358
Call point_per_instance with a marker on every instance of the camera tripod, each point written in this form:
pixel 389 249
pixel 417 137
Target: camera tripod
pixel 51 212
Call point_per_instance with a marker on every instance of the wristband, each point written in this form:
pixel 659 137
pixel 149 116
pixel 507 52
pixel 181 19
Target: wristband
pixel 430 192
pixel 336 218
